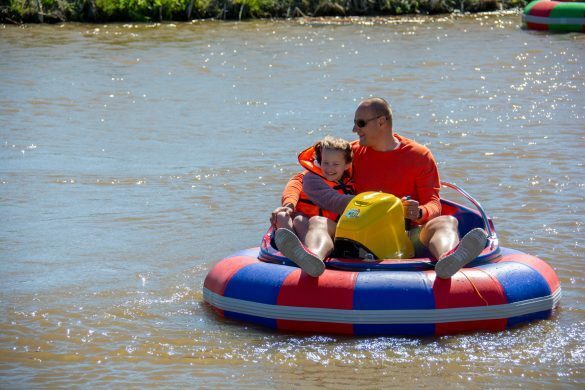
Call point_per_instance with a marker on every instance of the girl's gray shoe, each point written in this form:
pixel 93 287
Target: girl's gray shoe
pixel 289 245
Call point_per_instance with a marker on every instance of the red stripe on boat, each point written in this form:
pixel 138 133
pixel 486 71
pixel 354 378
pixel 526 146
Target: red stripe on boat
pixel 448 209
pixel 542 9
pixel 220 275
pixel 467 288
pixel 540 266
pixel 332 290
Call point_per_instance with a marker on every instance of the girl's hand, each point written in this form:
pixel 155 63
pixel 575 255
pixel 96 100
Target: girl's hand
pixel 287 210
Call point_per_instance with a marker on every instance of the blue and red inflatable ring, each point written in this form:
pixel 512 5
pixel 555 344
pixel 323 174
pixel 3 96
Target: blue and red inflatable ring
pixel 512 289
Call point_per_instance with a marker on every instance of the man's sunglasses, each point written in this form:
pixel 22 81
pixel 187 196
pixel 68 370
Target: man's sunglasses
pixel 363 122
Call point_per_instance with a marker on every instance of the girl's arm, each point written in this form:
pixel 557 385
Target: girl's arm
pixel 292 191
pixel 323 195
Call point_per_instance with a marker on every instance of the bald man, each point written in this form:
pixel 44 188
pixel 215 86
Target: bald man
pixel 387 162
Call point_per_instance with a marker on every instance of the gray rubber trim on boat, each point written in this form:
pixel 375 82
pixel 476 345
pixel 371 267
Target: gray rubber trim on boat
pixel 424 316
pixel 552 20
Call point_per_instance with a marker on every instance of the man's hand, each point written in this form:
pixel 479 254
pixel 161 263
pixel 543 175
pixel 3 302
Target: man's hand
pixel 411 209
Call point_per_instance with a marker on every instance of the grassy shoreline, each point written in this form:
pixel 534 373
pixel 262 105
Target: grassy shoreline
pixel 101 11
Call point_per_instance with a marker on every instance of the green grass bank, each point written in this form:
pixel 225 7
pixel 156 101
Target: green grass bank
pixel 101 11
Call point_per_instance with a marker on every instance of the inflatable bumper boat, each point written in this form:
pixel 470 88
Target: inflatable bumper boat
pixel 386 296
pixel 555 15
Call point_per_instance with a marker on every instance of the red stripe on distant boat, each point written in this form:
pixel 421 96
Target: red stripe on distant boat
pixel 542 9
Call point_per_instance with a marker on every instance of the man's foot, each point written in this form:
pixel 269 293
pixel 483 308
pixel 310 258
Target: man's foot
pixel 468 249
pixel 290 246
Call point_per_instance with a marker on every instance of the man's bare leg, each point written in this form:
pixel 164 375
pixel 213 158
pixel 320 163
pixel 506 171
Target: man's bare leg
pixel 441 236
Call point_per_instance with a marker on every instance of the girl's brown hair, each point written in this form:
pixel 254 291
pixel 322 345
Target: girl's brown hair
pixel 333 144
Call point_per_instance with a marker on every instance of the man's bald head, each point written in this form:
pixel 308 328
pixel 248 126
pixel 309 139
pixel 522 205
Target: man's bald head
pixel 377 106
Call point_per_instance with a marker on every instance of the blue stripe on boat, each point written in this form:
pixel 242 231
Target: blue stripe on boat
pixel 266 279
pixel 520 282
pixel 413 291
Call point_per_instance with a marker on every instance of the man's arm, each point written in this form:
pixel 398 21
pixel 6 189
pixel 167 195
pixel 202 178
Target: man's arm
pixel 428 185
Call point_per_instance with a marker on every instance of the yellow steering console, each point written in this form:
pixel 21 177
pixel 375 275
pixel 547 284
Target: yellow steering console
pixel 372 227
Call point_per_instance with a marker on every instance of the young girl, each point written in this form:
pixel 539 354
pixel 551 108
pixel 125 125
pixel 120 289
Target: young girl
pixel 328 160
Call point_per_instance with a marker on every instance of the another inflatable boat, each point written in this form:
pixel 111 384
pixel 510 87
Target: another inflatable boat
pixel 555 15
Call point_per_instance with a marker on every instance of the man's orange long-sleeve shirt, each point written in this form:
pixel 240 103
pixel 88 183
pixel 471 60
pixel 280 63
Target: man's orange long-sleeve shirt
pixel 409 170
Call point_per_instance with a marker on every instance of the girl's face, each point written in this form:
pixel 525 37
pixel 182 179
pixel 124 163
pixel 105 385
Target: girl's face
pixel 333 164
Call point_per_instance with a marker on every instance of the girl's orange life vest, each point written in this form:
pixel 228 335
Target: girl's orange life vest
pixel 305 205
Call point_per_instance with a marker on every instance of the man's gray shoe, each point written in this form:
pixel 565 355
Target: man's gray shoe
pixel 468 249
pixel 289 245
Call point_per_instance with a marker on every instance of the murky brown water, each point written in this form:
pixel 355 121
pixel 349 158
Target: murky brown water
pixel 132 157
